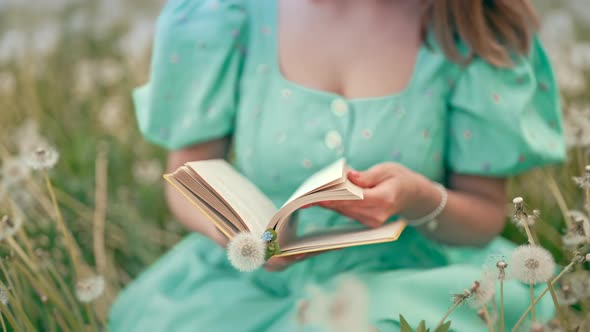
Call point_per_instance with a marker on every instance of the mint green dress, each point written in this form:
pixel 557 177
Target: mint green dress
pixel 215 73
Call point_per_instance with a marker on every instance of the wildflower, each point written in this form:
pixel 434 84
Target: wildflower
pixel 583 181
pixel 267 236
pixel 13 172
pixel 147 171
pixel 9 226
pixel 532 264
pixel 482 292
pixel 246 251
pixel 579 232
pixel 344 310
pixel 43 158
pixel 89 289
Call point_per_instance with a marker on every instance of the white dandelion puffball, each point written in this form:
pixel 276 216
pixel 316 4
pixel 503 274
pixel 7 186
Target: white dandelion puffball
pixel 532 264
pixel 43 158
pixel 246 251
pixel 343 310
pixel 484 292
pixel 90 289
pixel 13 172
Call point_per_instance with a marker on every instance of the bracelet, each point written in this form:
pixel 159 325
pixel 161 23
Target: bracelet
pixel 432 215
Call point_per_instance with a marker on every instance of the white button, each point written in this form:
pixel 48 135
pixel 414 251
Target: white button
pixel 339 107
pixel 333 140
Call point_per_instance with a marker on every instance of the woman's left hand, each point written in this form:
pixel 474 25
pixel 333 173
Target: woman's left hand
pixel 389 188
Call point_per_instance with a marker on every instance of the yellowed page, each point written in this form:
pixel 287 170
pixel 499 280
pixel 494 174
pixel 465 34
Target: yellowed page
pixel 254 208
pixel 342 239
pixel 225 226
pixel 332 174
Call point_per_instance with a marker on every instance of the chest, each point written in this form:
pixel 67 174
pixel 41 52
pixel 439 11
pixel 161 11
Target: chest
pixel 361 51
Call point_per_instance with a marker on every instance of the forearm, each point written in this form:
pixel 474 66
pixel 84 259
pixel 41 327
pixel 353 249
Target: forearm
pixel 192 218
pixel 473 215
pixel 186 213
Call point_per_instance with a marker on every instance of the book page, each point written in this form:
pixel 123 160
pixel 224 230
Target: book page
pixel 223 224
pixel 336 172
pixel 250 204
pixel 342 239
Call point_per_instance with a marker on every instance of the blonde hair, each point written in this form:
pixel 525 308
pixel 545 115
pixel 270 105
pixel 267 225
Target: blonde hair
pixel 493 30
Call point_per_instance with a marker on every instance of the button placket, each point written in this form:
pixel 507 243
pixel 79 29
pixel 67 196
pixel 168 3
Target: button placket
pixel 339 107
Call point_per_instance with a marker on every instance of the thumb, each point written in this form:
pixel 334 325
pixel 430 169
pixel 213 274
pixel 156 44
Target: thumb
pixel 369 178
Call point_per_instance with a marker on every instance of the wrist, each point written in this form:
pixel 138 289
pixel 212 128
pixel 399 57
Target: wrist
pixel 426 199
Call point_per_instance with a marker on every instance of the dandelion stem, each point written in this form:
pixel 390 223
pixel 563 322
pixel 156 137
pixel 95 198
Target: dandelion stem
pixel 502 325
pixel 62 226
pixel 100 212
pixel 560 314
pixel 527 229
pixel 552 282
pixel 532 292
pixel 20 252
pixel 2 322
pixel 554 188
pixel 486 315
pixel 90 314
pixel 442 321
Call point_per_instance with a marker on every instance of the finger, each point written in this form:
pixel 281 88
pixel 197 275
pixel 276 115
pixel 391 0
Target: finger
pixel 370 177
pixel 383 196
pixel 278 263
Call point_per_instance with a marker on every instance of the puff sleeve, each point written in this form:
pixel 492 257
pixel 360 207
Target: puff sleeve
pixel 505 121
pixel 197 58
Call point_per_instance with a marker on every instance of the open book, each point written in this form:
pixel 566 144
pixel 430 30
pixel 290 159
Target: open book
pixel 231 202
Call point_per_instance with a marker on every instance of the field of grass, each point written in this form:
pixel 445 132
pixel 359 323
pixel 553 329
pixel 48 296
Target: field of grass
pixel 66 72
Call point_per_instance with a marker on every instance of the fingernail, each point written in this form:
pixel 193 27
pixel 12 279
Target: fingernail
pixel 353 173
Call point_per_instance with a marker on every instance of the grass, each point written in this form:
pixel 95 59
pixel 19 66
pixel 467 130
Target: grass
pixel 107 180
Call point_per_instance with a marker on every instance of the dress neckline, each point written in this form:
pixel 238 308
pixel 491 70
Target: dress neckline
pixel 276 69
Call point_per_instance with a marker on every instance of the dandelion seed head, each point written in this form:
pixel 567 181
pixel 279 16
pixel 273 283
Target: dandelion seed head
pixel 579 232
pixel 343 310
pixel 460 298
pixel 148 171
pixel 43 157
pixel 246 252
pixel 482 291
pixel 90 289
pixel 537 327
pixel 584 180
pixel 13 172
pixel 532 264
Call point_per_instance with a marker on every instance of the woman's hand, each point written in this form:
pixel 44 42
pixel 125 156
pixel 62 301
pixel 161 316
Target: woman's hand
pixel 389 189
